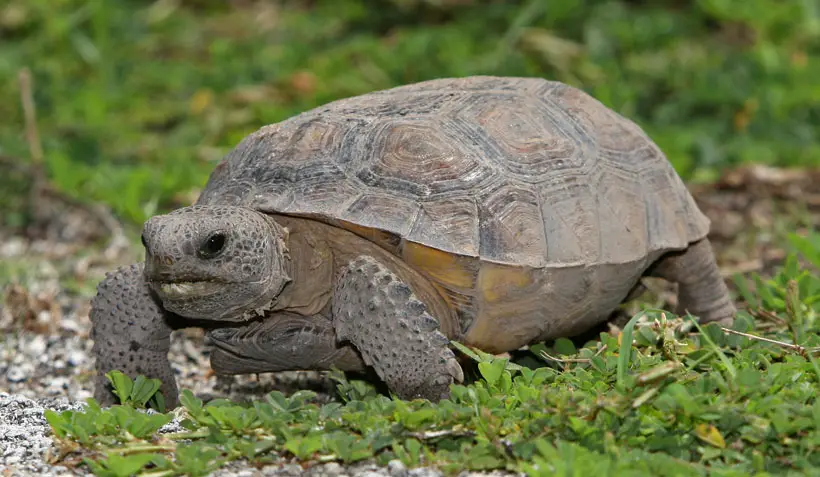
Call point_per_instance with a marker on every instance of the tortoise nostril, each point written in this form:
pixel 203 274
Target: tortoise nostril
pixel 159 262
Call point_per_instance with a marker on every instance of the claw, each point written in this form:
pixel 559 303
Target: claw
pixel 454 369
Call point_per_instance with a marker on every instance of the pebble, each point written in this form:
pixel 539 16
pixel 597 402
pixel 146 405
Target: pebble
pixel 397 468
pixel 58 384
pixel 36 346
pixel 19 373
pixel 369 473
pixel 12 247
pixel 76 358
pixel 333 469
pixel 69 325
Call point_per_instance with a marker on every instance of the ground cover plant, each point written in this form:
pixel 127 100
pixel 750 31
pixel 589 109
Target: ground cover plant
pixel 128 105
pixel 663 396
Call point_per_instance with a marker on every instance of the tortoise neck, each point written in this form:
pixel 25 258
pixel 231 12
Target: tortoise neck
pixel 309 265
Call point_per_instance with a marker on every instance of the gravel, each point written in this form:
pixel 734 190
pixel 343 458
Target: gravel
pixel 25 434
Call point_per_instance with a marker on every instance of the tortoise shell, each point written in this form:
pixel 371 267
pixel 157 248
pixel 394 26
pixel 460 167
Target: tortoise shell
pixel 454 175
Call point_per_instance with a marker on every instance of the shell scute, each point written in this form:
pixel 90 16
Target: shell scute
pixel 383 212
pixel 531 142
pixel 449 224
pixel 621 203
pixel 511 225
pixel 415 159
pixel 571 218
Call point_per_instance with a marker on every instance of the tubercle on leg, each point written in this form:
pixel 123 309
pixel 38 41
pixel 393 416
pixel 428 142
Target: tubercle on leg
pixel 130 333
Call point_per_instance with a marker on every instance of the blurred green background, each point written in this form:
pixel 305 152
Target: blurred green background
pixel 136 100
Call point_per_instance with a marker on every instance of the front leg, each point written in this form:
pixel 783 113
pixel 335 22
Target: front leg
pixel 281 341
pixel 394 332
pixel 131 334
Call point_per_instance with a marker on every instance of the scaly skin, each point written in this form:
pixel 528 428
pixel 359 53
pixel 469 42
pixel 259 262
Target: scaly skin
pixel 701 290
pixel 131 333
pixel 379 314
pixel 282 341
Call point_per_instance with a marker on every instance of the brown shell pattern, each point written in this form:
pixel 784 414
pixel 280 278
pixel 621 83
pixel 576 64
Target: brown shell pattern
pixel 517 171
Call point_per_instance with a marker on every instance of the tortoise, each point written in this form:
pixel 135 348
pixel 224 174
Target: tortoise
pixel 367 233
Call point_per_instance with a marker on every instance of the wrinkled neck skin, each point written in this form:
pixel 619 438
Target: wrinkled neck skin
pixel 310 266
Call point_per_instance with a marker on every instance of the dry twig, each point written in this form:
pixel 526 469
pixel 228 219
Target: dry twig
pixel 35 147
pixel 564 360
pixel 800 349
pixel 425 435
pixel 768 315
pixel 547 356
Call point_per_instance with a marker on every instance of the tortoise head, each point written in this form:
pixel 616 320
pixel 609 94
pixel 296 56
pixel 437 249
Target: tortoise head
pixel 224 263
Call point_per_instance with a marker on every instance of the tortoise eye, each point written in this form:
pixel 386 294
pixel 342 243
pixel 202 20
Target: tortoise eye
pixel 212 245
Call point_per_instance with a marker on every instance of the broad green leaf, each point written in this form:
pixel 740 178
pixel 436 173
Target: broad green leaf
pixel 710 434
pixel 122 385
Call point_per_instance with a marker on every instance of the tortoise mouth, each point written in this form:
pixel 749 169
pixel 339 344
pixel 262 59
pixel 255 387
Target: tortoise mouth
pixel 213 299
pixel 188 288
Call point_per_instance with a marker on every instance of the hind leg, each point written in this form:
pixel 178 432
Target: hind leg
pixel 701 290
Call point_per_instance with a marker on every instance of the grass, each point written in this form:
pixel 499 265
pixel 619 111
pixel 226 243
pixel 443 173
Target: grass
pixel 137 99
pixel 664 397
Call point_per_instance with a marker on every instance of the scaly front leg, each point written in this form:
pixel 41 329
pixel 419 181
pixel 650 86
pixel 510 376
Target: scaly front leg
pixel 379 314
pixel 131 334
pixel 282 341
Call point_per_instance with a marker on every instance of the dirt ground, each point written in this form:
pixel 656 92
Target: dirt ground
pixel 44 345
pixel 753 208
